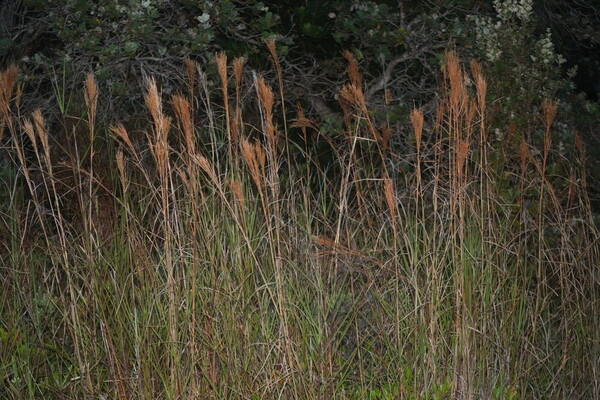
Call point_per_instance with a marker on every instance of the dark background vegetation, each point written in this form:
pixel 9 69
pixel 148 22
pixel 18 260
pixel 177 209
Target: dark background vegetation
pixel 398 44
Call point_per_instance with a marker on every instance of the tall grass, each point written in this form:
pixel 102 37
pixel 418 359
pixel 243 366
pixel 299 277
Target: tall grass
pixel 209 258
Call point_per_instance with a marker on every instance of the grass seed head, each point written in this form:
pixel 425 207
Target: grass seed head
pixel 120 159
pixel 221 61
pixel 238 191
pixel 91 95
pixel 549 108
pixel 238 71
pixel 390 197
pixel 249 156
pixel 272 50
pixel 416 118
pixel 207 167
pixel 40 127
pixel 454 74
pixel 352 69
pixel 8 79
pixel 28 128
pixel 266 98
pixel 120 131
pixel 480 84
pixel 190 72
pixel 152 99
pixel 183 112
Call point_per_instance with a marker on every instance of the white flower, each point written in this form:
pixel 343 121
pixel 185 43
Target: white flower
pixel 499 134
pixel 203 18
pixel 509 9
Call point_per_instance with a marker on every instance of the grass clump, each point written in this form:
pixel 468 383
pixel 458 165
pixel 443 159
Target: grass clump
pixel 198 258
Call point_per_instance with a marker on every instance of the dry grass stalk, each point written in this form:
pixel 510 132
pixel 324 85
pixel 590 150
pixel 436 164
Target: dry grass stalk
pixel 19 95
pixel 61 227
pixel 91 97
pixel 273 51
pixel 354 95
pixel 8 79
pixel 302 121
pixel 153 102
pixel 159 147
pixel 572 192
pixel 249 156
pixel 162 123
pixel 454 74
pixel 439 117
pixel 236 129
pixel 40 126
pixel 480 85
pixel 238 191
pixel 221 61
pixel 461 156
pixel 337 248
pixel 352 69
pixel 114 362
pixel 470 117
pixel 91 101
pixel 265 95
pixel 185 178
pixel 120 160
pixel 120 131
pixel 238 75
pixel 346 106
pixel 416 119
pixel 390 197
pixel 190 72
pixel 385 133
pixel 28 128
pixel 346 98
pixel 207 167
pixel 183 111
pixel 523 155
pixel 261 157
pixel 160 151
pixel 18 146
pixel 549 108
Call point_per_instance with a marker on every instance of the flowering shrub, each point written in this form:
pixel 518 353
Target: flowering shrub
pixel 525 66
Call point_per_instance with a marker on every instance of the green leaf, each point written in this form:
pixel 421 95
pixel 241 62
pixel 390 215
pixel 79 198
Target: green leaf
pixel 131 47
